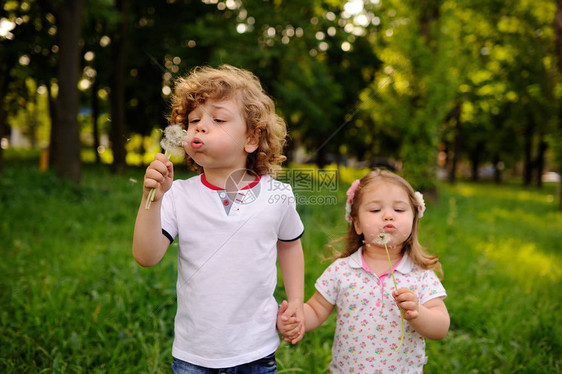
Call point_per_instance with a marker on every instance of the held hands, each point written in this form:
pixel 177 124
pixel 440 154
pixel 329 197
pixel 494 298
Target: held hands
pixel 159 176
pixel 290 322
pixel 408 302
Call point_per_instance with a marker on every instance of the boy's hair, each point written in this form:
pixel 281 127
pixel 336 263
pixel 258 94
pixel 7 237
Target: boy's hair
pixel 411 246
pixel 228 82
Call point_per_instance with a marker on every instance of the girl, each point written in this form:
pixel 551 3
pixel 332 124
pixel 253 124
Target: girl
pixel 231 222
pixel 383 210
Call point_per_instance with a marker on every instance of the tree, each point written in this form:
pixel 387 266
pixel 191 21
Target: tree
pixel 67 153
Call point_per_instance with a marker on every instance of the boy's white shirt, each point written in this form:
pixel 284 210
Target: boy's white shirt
pixel 227 269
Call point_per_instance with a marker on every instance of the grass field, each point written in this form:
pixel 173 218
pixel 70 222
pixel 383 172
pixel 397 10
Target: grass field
pixel 73 300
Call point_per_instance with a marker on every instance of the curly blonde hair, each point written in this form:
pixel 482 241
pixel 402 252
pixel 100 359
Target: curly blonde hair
pixel 224 83
pixel 411 246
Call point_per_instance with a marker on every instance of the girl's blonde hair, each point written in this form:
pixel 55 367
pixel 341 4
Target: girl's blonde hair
pixel 228 82
pixel 411 246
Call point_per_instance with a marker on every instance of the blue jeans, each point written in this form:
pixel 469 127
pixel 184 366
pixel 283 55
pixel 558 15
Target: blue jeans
pixel 262 366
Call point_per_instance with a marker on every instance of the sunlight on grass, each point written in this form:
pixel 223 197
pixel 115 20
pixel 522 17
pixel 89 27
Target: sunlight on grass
pixel 523 261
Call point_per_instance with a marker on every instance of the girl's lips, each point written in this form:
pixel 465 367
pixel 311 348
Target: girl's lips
pixel 389 228
pixel 196 143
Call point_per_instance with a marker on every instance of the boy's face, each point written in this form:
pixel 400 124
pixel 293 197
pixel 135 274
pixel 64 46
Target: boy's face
pixel 217 137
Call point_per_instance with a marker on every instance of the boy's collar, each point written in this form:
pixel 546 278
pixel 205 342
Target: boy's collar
pixel 207 184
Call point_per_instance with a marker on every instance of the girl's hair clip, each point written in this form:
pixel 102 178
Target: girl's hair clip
pixel 421 204
pixel 350 195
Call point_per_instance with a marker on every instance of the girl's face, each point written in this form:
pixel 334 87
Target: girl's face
pixel 217 137
pixel 384 208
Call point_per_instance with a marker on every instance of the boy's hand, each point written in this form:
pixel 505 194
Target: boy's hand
pixel 408 302
pixel 159 175
pixel 289 324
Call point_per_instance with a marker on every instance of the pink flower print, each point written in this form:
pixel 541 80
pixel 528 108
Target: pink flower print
pixel 363 345
pixel 371 337
pixel 380 328
pixel 351 328
pixel 361 367
pixel 352 286
pixel 345 336
pixel 365 301
pixel 351 350
pixel 364 323
pixel 392 368
pixel 346 315
pixel 370 359
pixel 394 324
pixel 379 351
pixel 352 307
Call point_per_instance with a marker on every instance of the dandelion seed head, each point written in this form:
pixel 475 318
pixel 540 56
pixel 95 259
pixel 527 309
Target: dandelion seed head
pixel 382 238
pixel 173 139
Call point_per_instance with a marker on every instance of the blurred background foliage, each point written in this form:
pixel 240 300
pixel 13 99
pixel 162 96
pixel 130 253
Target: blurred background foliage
pixel 463 88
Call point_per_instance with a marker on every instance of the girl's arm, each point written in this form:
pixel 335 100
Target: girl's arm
pixel 431 319
pixel 316 311
pixel 149 244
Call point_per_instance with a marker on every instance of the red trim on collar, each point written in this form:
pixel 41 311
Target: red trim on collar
pixel 209 185
pixel 215 188
pixel 253 184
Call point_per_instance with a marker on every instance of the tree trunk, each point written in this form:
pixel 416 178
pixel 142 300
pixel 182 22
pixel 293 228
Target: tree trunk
pixel 118 132
pixel 457 143
pixel 558 48
pixel 543 145
pixel 69 22
pixel 528 151
pixel 8 62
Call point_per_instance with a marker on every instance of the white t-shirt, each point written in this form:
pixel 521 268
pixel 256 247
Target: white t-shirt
pixel 227 273
pixel 368 326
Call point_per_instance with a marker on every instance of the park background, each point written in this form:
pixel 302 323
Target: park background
pixel 463 98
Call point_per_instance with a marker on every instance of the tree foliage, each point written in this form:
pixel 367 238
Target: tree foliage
pixel 408 84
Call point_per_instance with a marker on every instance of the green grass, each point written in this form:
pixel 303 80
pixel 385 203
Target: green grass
pixel 73 299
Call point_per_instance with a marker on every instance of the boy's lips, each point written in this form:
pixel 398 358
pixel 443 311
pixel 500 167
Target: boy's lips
pixel 196 143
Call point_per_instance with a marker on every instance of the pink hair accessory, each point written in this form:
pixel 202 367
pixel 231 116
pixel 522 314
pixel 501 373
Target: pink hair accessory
pixel 421 203
pixel 350 195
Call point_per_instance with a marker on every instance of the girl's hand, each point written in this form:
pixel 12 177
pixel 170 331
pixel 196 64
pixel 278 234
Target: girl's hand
pixel 408 301
pixel 290 327
pixel 159 175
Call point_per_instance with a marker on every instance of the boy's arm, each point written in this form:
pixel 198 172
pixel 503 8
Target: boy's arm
pixel 149 244
pixel 316 310
pixel 291 262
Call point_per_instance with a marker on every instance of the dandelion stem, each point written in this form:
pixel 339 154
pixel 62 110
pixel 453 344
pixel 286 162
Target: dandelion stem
pixel 396 288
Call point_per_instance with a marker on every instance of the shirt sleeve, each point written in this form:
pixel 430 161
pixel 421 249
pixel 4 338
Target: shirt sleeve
pixel 431 287
pixel 291 227
pixel 328 284
pixel 168 217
